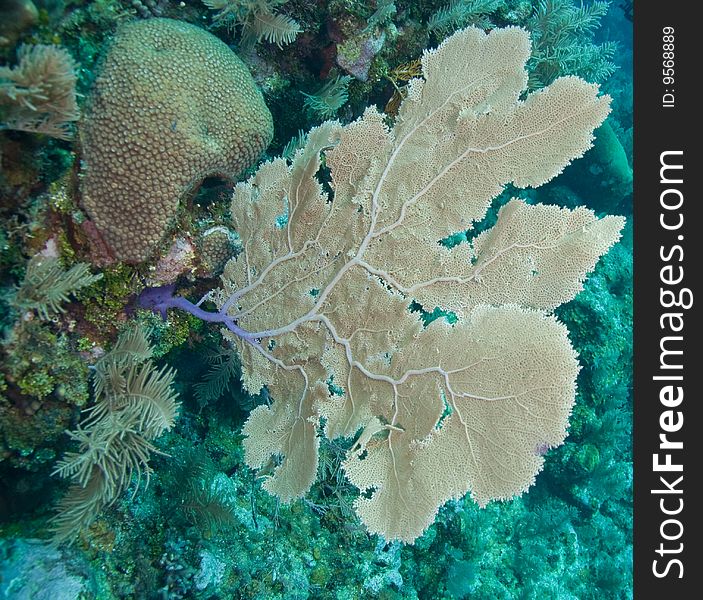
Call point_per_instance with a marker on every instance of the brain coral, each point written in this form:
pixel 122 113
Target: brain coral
pixel 171 105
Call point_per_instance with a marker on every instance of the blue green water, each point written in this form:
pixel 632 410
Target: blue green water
pixel 204 527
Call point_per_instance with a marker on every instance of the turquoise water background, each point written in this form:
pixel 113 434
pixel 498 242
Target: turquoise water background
pixel 204 528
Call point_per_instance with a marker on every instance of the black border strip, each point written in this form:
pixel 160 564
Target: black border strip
pixel 667 129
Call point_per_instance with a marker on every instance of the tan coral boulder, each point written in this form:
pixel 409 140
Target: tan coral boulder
pixel 172 105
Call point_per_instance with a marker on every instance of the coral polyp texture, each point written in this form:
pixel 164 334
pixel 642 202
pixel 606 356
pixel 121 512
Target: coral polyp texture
pixel 318 303
pixel 171 106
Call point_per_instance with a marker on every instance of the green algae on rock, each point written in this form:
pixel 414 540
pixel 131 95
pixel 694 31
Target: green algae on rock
pixel 172 105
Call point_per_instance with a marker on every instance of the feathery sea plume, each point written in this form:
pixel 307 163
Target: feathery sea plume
pixel 134 404
pixel 257 18
pixel 47 285
pixel 39 94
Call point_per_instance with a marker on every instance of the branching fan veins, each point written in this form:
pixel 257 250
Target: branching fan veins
pixel 441 410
